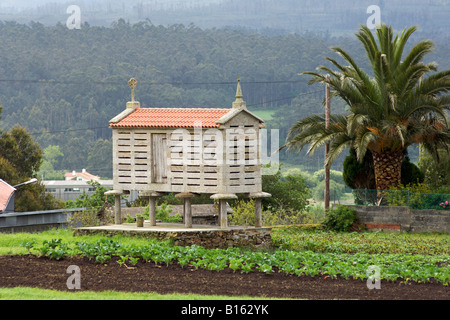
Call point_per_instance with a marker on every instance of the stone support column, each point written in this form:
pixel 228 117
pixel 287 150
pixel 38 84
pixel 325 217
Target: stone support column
pixel 258 207
pixel 187 207
pixel 152 195
pixel 223 216
pixel 117 207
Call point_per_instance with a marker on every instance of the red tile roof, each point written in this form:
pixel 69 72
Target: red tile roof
pixel 172 117
pixel 85 175
pixel 6 191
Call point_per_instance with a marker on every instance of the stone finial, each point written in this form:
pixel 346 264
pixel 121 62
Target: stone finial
pixel 238 90
pixel 132 83
pixel 132 104
pixel 239 102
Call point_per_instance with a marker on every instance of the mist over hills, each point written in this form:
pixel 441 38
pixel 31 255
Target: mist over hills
pixel 334 17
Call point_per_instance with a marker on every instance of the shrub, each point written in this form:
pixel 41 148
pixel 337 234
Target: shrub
pixel 289 191
pixel 416 196
pixel 163 214
pixel 95 200
pixel 244 214
pixel 340 219
pixel 89 218
pixel 337 190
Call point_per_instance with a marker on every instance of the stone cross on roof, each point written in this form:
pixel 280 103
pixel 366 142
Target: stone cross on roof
pixel 132 83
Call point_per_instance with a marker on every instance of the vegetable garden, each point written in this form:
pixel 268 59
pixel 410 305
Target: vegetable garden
pixel 313 260
pixel 299 254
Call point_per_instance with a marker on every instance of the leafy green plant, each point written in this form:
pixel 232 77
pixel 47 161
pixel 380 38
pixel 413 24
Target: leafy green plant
pixel 133 260
pixel 122 260
pixel 340 219
pixel 247 267
pixel 28 245
pixel 102 258
pixel 54 249
pixel 266 268
pixel 330 254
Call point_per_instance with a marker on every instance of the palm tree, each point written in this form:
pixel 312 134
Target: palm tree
pixel 396 107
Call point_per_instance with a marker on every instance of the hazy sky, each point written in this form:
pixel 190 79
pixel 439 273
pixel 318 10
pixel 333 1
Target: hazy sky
pixel 21 4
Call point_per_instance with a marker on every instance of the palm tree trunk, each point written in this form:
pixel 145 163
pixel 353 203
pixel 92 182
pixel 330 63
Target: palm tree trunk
pixel 388 168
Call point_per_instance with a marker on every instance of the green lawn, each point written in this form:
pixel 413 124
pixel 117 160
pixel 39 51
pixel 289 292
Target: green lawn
pixel 11 243
pixel 265 114
pixel 21 293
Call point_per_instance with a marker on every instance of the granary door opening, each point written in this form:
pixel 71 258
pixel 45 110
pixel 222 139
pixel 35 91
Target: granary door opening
pixel 159 156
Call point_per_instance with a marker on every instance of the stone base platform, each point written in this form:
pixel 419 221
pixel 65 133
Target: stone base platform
pixel 203 235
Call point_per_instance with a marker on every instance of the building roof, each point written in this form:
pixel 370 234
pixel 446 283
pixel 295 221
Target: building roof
pixel 6 192
pixel 74 183
pixel 137 117
pixel 172 118
pixel 84 174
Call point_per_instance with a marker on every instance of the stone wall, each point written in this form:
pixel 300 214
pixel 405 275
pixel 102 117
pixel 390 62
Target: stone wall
pixel 209 238
pixel 388 218
pixel 249 237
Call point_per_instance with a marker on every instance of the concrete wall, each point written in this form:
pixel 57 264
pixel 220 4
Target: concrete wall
pixel 403 219
pixel 34 221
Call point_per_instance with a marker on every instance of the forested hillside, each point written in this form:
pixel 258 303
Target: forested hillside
pixel 335 17
pixel 64 85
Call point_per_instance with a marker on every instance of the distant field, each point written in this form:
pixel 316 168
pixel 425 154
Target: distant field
pixel 265 114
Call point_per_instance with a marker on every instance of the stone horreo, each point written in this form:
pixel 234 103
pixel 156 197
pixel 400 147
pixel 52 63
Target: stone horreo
pixel 188 151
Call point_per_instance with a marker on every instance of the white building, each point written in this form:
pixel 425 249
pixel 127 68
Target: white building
pixel 72 189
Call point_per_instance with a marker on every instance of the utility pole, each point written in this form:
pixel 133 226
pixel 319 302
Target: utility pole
pixel 327 146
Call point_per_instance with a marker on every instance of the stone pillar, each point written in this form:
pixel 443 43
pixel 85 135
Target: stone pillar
pixel 117 207
pixel 258 213
pixel 152 211
pixel 223 215
pixel 222 198
pixel 258 207
pixel 187 212
pixel 117 210
pixel 187 207
pixel 152 195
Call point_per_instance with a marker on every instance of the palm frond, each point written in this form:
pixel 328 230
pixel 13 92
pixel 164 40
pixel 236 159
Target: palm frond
pixel 404 102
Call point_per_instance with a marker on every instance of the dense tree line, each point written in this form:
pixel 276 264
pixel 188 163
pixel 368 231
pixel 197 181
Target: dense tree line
pixel 63 86
pixel 268 16
pixel 20 159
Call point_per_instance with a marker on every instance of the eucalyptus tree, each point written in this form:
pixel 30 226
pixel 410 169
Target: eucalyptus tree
pixel 404 101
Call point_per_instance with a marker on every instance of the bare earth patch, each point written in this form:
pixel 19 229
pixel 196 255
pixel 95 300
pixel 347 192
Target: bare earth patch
pixel 31 271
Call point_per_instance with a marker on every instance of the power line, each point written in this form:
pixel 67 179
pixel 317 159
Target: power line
pixel 282 99
pixel 68 130
pixel 179 83
pixel 105 127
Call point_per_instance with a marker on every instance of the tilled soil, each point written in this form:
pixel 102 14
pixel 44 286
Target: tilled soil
pixel 31 271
